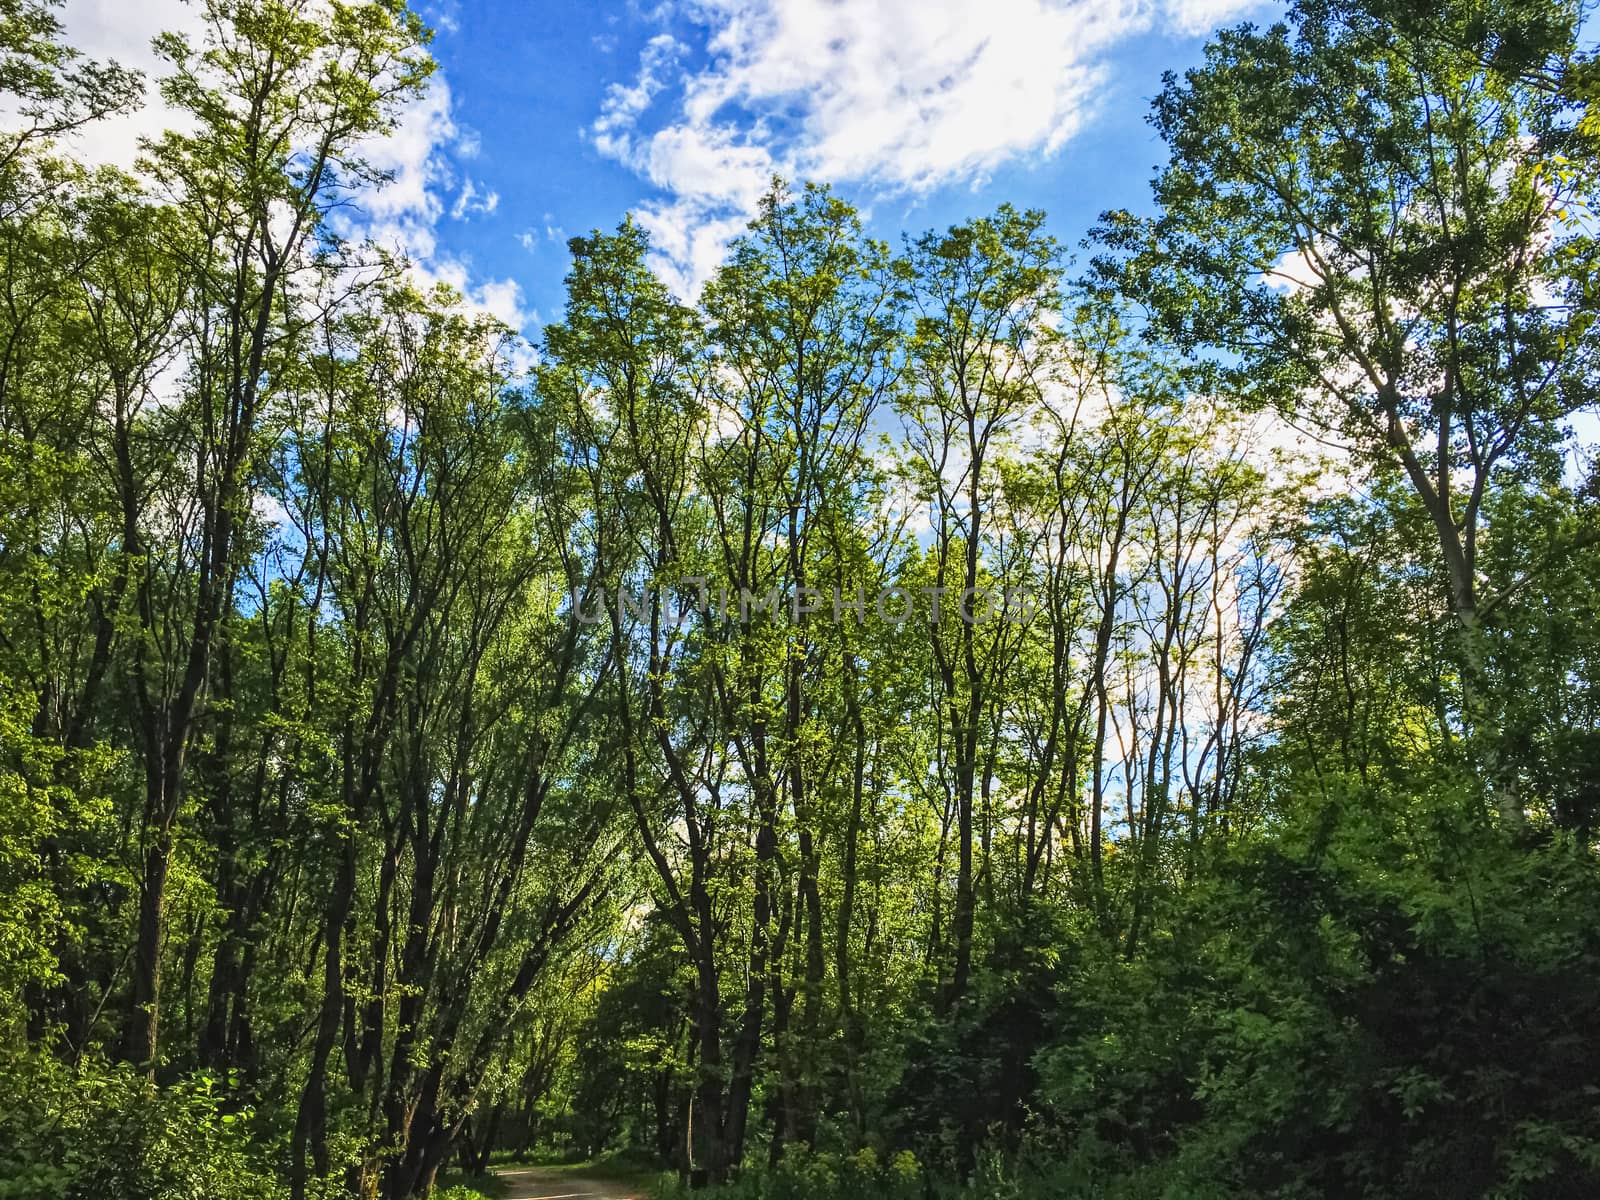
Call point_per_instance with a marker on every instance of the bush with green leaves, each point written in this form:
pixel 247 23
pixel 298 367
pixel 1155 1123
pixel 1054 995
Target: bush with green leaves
pixel 1384 1001
pixel 803 1175
pixel 94 1131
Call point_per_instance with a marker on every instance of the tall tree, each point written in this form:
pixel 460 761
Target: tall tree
pixel 281 96
pixel 981 361
pixel 1370 219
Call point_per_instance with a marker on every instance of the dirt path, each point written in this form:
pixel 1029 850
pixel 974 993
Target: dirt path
pixel 543 1183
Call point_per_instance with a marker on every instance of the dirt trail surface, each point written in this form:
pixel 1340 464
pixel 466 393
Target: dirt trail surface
pixel 541 1183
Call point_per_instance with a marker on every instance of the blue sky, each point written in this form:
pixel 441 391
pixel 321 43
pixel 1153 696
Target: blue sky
pixel 583 113
pixel 550 119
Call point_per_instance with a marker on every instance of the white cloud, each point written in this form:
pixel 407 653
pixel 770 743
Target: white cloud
pixel 470 201
pixel 500 298
pixel 899 95
pixel 911 92
pixel 402 212
pixel 418 156
pixel 1202 16
pixel 118 30
pixel 553 233
pixel 269 510
pixel 446 18
pixel 689 238
pixel 1294 272
pixel 623 103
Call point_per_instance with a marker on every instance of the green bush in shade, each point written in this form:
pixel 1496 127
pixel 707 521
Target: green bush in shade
pixel 801 1175
pixel 97 1132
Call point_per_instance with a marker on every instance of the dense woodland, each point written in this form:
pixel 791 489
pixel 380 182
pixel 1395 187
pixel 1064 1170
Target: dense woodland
pixel 380 792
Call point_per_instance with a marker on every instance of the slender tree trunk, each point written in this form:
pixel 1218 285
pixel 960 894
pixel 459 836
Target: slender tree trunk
pixel 310 1129
pixel 144 996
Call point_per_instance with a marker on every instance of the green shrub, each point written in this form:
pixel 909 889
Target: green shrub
pixel 802 1175
pixel 97 1132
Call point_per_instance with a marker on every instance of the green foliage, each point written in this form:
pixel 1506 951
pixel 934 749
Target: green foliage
pixel 353 823
pixel 50 821
pixel 802 1176
pixel 462 1191
pixel 1363 1007
pixel 55 88
pixel 93 1130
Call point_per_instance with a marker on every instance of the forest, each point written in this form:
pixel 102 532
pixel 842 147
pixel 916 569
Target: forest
pixel 978 716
